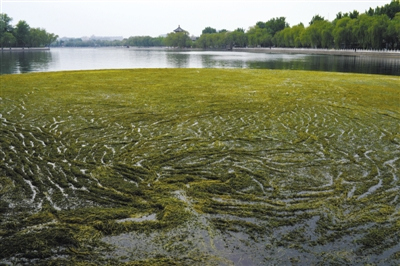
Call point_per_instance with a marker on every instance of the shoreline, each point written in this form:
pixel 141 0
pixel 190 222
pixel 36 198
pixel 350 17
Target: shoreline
pixel 282 50
pixel 24 49
pixel 266 50
pixel 348 52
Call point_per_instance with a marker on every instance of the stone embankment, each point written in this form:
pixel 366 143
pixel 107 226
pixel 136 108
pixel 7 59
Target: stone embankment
pixel 351 52
pixel 24 49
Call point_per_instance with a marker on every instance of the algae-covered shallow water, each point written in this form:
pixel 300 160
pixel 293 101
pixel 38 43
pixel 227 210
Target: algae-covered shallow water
pixel 199 166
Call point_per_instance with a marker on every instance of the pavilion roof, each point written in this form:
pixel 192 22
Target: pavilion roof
pixel 179 29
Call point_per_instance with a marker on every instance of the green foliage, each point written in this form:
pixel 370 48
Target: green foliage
pixel 318 35
pixel 8 39
pixel 144 41
pixel 258 36
pixel 373 30
pixel 239 38
pixel 220 40
pixel 276 24
pixel 360 30
pixel 23 35
pixel 354 14
pixel 39 37
pixel 342 33
pixel 378 31
pixel 5 28
pixel 209 30
pixel 291 37
pixel 178 39
pixel 389 9
pixel 315 19
pixel 393 30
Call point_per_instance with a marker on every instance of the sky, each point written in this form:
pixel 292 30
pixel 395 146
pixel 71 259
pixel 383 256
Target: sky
pixel 78 18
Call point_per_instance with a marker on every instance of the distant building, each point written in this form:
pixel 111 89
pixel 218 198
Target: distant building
pixel 99 38
pixel 106 38
pixel 179 29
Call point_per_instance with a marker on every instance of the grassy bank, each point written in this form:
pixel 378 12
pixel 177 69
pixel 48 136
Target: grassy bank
pixel 199 166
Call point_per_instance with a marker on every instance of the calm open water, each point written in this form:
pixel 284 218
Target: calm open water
pixel 58 59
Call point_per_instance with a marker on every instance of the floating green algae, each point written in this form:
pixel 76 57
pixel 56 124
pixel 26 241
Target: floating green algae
pixel 199 166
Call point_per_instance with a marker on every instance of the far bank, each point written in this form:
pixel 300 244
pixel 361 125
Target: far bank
pixel 24 49
pixel 350 52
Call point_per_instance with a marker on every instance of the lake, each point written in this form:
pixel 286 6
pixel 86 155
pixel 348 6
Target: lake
pixel 58 59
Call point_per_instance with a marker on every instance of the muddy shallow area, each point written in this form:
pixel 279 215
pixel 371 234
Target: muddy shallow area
pixel 215 167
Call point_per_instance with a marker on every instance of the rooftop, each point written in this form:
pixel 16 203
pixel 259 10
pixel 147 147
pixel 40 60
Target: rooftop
pixel 179 29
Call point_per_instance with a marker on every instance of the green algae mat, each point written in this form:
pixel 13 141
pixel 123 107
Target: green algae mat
pixel 199 167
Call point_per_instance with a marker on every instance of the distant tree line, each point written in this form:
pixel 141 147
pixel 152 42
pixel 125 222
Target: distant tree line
pixel 349 30
pixel 377 28
pixel 22 35
pixel 145 41
pixel 78 42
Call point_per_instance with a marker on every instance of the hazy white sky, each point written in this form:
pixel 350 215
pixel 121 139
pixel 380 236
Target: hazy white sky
pixel 76 18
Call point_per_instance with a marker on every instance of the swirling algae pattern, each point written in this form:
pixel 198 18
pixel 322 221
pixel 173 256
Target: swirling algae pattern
pixel 199 166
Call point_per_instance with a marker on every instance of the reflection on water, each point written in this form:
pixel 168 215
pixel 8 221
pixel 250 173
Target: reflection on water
pixel 178 60
pixel 355 64
pixel 23 62
pixel 58 59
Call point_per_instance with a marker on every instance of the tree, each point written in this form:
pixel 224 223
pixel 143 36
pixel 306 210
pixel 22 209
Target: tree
pixel 370 12
pixel 8 40
pixel 202 41
pixel 325 29
pixel 22 33
pixel 284 38
pixel 296 33
pixel 240 30
pixel 37 37
pixel 318 34
pixel 339 16
pixel 378 31
pixel 315 19
pixel 314 35
pixel 259 36
pixel 237 38
pixel 389 9
pixel 342 33
pixel 178 39
pixel 393 32
pixel 260 24
pixel 276 24
pixel 392 9
pixel 209 30
pixel 5 27
pixel 360 31
pixel 51 37
pixel 145 41
pixel 305 38
pixel 354 14
pixel 289 37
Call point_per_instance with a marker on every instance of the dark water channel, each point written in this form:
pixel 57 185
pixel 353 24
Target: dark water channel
pixel 59 59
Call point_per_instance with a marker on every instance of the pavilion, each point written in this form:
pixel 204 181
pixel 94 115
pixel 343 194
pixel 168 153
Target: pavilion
pixel 179 29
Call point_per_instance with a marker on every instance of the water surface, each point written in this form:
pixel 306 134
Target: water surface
pixel 59 59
